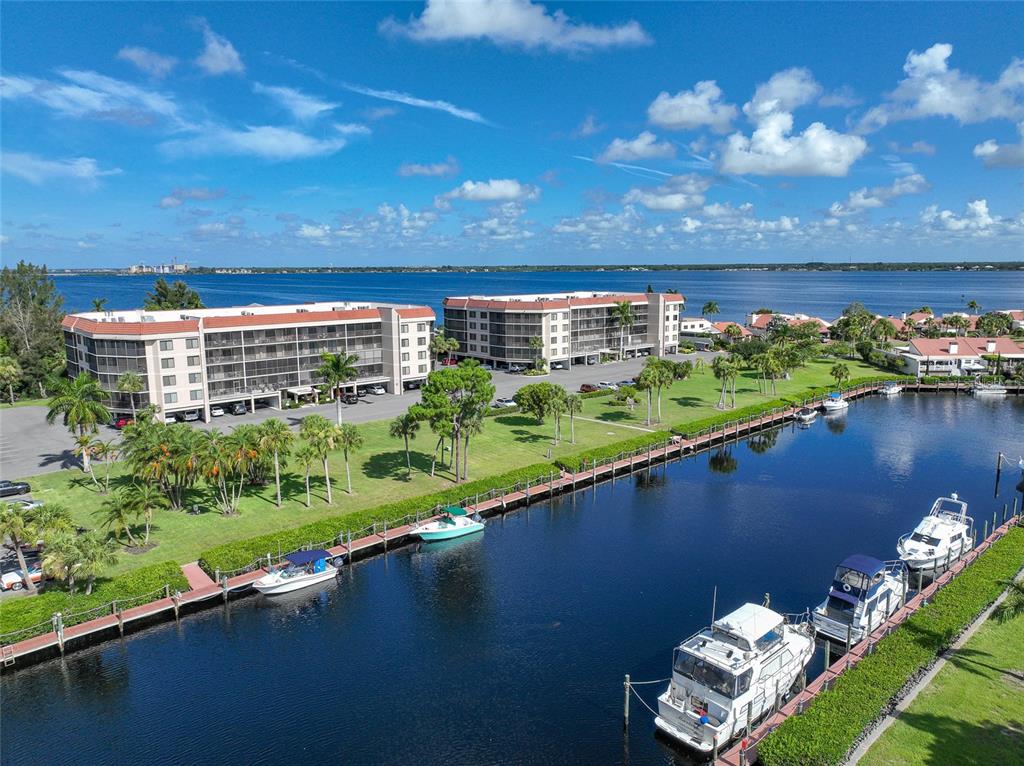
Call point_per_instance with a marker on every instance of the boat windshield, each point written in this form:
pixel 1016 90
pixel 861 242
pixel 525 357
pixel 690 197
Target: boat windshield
pixel 917 537
pixel 715 678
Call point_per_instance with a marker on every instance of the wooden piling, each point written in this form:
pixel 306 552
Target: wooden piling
pixel 625 702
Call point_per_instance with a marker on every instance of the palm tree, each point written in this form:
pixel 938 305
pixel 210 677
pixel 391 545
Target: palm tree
pixel 726 369
pixel 51 519
pixel 623 312
pixel 350 440
pixel 84 447
pixel 645 382
pixel 80 401
pixel 536 346
pixel 10 373
pixel 337 370
pixel 841 373
pixel 306 456
pixel 18 524
pixel 146 498
pixel 119 513
pixel 99 304
pixel 76 556
pixel 883 330
pixel 130 383
pixel 275 436
pixel 107 451
pixel 1013 604
pixel 321 437
pixel 958 323
pixel 405 427
pixel 663 376
pixel 974 306
pixel 573 406
pixel 710 308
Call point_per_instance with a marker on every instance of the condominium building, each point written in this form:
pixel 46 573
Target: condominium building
pixel 574 328
pixel 192 359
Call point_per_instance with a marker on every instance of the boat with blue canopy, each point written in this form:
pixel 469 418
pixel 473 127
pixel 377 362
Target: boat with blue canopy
pixel 453 522
pixel 864 592
pixel 835 403
pixel 298 569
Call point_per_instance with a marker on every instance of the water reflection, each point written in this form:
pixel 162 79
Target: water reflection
pixel 836 423
pixel 722 460
pixel 764 441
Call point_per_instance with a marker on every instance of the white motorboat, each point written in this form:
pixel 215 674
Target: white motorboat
pixel 805 415
pixel 835 403
pixel 300 569
pixel 864 592
pixel 988 389
pixel 892 388
pixel 941 538
pixel 454 522
pixel 730 674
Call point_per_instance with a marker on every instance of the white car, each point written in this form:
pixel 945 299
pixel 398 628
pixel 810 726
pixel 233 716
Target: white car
pixel 607 385
pixel 504 402
pixel 170 419
pixel 216 411
pixel 515 368
pixel 558 365
pixel 15 581
pixel 376 390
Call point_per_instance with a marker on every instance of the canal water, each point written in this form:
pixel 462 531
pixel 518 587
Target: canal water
pixel 510 647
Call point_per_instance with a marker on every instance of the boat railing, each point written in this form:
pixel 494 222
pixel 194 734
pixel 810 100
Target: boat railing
pixel 797 618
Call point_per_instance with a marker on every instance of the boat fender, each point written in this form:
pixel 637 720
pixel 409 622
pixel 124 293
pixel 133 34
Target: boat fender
pixel 704 719
pixel 846 587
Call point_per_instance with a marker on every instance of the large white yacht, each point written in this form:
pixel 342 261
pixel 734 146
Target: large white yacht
pixel 864 592
pixel 727 676
pixel 940 539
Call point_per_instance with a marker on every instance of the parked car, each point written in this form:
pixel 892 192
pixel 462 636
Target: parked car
pixel 558 365
pixel 607 385
pixel 191 416
pixel 629 382
pixel 216 411
pixel 449 362
pixel 10 488
pixel 26 504
pixel 411 385
pixel 350 398
pixel 170 418
pixel 591 360
pixel 238 408
pixel 16 581
pixel 487 366
pixel 376 390
pixel 504 401
pixel 515 369
pixel 122 422
pixel 588 388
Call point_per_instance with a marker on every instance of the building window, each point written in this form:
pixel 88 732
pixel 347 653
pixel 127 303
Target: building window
pixel 423 368
pixel 422 341
pixel 196 394
pixel 167 345
pixel 405 356
pixel 195 377
pixel 167 364
pixel 191 342
pixel 421 355
pixel 170 398
pixel 421 327
pixel 170 380
pixel 193 361
pixel 405 328
pixel 405 343
pixel 405 370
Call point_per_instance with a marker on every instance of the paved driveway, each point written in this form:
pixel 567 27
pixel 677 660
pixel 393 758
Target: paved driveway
pixel 29 446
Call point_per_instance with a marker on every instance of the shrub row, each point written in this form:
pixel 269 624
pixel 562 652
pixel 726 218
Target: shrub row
pixel 580 460
pixel 831 725
pixel 241 553
pixel 27 611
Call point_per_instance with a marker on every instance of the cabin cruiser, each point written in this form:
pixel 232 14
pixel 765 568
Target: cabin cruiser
pixel 805 415
pixel 297 570
pixel 943 536
pixel 453 522
pixel 727 676
pixel 835 403
pixel 988 389
pixel 891 388
pixel 864 592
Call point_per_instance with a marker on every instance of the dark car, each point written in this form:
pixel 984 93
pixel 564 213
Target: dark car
pixel 588 388
pixel 238 408
pixel 350 398
pixel 10 488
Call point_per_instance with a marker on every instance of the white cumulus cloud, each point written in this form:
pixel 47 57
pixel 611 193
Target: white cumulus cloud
pixel 976 218
pixel 302 106
pixel 219 55
pixel 493 190
pixel 150 62
pixel 867 199
pixel 676 194
pixel 690 109
pixel 449 167
pixel 39 170
pixel 644 147
pixel 512 23
pixel 996 155
pixel 264 141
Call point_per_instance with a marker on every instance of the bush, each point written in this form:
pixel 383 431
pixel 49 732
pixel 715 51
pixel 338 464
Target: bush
pixel 577 461
pixel 830 726
pixel 31 610
pixel 242 553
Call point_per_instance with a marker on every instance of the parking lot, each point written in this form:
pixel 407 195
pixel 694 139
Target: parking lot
pixel 29 446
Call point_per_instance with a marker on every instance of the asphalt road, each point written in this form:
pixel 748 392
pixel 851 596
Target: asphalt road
pixel 29 446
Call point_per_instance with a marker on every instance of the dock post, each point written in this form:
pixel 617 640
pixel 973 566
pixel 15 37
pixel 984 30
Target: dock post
pixel 748 718
pixel 920 580
pixel 269 565
pixel 595 470
pixel 224 588
pixel 948 551
pixel 714 748
pixel 625 702
pixel 994 525
pixel 984 533
pixel 176 600
pixel 903 582
pixel 385 536
pixel 775 702
pixel 849 636
pixel 117 613
pixel 58 629
pixel 828 654
pixel 1006 507
pixel 216 574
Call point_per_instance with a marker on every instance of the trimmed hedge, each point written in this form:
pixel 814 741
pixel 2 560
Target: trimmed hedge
pixel 27 611
pixel 577 461
pixel 241 553
pixel 831 725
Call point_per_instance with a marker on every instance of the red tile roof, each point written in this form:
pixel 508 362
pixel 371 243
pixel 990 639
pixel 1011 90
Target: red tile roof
pixel 418 312
pixel 918 317
pixel 93 327
pixel 1016 315
pixel 965 347
pixel 721 326
pixel 761 321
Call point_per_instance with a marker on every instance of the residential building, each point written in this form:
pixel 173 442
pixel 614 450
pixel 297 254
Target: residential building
pixel 722 328
pixel 957 356
pixel 574 327
pixel 760 324
pixel 194 358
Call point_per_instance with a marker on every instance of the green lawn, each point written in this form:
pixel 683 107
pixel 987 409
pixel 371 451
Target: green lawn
pixel 971 713
pixel 378 470
pixel 6 404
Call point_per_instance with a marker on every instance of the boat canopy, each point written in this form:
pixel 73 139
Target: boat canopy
pixel 298 558
pixel 835 395
pixel 454 510
pixel 867 565
pixel 752 623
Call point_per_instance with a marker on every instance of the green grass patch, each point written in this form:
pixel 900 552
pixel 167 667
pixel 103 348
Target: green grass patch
pixel 825 732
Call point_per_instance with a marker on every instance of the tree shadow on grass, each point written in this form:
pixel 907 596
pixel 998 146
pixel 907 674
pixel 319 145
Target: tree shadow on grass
pixel 688 401
pixel 620 416
pixel 392 465
pixel 517 420
pixel 959 743
pixel 529 437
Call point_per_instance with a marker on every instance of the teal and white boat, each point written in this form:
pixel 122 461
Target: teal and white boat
pixel 454 522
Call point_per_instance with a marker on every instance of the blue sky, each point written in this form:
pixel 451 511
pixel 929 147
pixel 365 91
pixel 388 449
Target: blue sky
pixel 513 132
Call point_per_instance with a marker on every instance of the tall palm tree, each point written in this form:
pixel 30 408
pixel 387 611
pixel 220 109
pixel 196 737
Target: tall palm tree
pixel 710 309
pixel 99 304
pixel 10 373
pixel 337 370
pixel 623 312
pixel 726 369
pixel 405 427
pixel 645 382
pixel 130 383
pixel 18 524
pixel 350 440
pixel 306 456
pixel 85 445
pixel 79 401
pixel 536 346
pixel 275 436
pixel 81 556
pixel 119 514
pixel 883 330
pixel 146 498
pixel 322 437
pixel 974 306
pixel 573 407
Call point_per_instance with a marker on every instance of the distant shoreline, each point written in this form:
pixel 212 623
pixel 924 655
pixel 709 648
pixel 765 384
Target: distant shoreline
pixel 631 268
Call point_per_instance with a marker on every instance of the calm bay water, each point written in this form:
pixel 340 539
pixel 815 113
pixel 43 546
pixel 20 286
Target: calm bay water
pixel 509 648
pixel 737 292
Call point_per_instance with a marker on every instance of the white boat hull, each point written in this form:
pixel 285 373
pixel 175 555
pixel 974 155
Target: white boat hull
pixel 835 405
pixel 858 626
pixel 274 583
pixel 447 530
pixel 892 390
